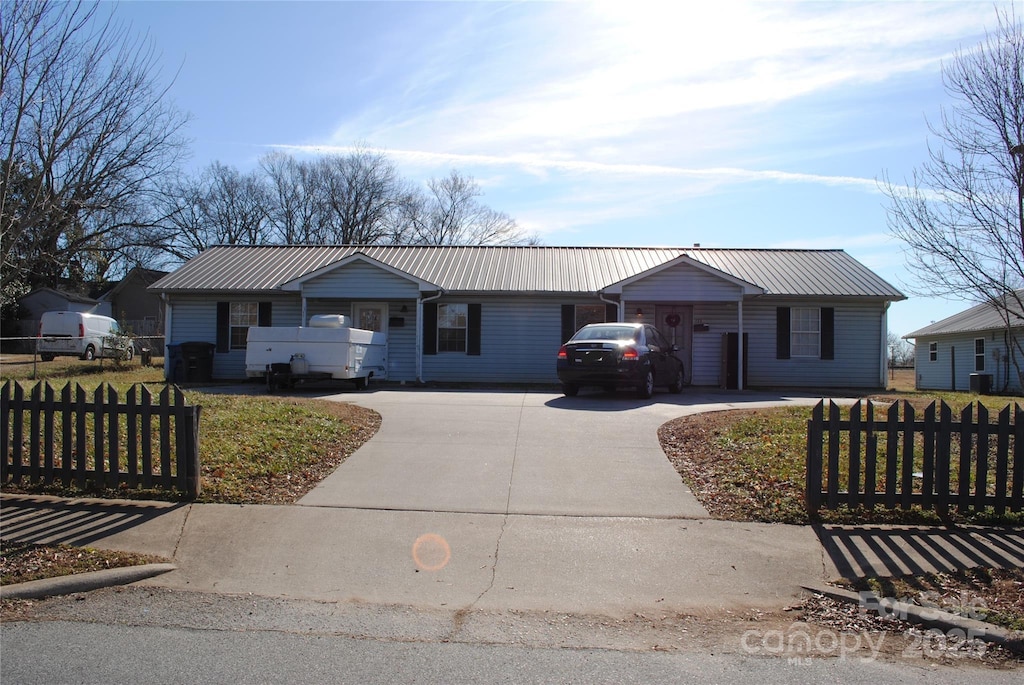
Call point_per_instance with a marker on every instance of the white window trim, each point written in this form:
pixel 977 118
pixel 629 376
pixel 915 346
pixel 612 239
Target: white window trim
pixel 793 332
pixel 979 356
pixel 933 352
pixel 232 326
pixel 465 328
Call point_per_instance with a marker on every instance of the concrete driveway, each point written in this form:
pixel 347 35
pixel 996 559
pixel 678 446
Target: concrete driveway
pixel 517 452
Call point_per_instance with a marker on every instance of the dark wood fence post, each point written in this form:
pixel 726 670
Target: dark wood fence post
pixel 966 436
pixel 892 451
pixel 17 431
pixel 870 459
pixel 5 426
pixel 1017 496
pixel 853 483
pixel 34 410
pixel 981 459
pixel 48 446
pixel 67 467
pixel 1002 460
pixel 194 484
pixel 814 457
pixel 833 455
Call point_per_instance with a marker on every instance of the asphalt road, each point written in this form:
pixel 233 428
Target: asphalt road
pixel 62 652
pixel 139 635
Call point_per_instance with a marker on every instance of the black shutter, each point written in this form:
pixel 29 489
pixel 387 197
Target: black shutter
pixel 828 333
pixel 568 321
pixel 429 328
pixel 264 314
pixel 782 332
pixel 473 330
pixel 223 327
pixel 611 312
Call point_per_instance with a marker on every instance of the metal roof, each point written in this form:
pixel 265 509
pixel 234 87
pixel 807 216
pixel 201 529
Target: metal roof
pixel 529 269
pixel 982 317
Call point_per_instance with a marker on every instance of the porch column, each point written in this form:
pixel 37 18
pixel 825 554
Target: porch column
pixel 419 338
pixel 739 346
pixel 304 319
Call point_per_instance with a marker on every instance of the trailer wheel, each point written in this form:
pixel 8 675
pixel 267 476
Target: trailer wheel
pixel 360 383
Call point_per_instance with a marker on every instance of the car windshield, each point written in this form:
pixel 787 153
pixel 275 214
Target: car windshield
pixel 606 333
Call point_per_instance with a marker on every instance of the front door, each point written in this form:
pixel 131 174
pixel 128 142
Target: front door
pixel 676 323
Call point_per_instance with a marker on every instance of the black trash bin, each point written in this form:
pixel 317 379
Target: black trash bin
pixel 175 364
pixel 197 361
pixel 981 383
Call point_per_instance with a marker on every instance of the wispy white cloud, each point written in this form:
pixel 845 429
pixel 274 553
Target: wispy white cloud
pixel 538 164
pixel 570 78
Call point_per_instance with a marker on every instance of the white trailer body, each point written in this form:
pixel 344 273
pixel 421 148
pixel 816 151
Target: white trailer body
pixel 336 352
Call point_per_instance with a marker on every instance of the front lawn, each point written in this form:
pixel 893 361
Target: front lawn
pixel 749 465
pixel 253 449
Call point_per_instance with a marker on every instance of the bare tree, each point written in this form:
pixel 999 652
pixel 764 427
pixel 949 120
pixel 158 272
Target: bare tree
pixel 362 191
pixel 220 206
pixel 450 214
pixel 962 213
pixel 85 133
pixel 901 352
pixel 297 197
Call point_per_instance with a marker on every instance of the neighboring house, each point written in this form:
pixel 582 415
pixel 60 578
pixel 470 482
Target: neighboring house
pixel 975 341
pixel 807 318
pixel 52 300
pixel 138 309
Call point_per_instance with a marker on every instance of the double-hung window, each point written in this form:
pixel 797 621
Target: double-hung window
pixel 452 325
pixel 805 332
pixel 933 352
pixel 242 315
pixel 979 354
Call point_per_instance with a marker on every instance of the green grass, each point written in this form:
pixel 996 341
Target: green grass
pixel 750 465
pixel 253 448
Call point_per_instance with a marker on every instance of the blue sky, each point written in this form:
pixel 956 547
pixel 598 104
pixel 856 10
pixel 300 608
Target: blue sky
pixel 729 124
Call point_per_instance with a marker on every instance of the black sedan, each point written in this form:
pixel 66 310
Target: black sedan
pixel 615 355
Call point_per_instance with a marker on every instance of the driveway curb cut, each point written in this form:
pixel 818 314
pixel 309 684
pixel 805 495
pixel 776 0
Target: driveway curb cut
pixel 83 582
pixel 931 617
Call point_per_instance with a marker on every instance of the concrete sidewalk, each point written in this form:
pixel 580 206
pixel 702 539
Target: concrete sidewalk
pixel 611 566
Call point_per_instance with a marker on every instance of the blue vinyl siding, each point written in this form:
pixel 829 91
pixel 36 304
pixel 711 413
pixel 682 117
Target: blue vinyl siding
pixel 681 283
pixel 195 320
pixel 937 375
pixel 362 281
pixel 858 348
pixel 519 340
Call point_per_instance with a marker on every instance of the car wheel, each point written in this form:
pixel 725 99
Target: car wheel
pixel 90 353
pixel 570 389
pixel 129 354
pixel 46 357
pixel 677 385
pixel 646 389
pixel 360 383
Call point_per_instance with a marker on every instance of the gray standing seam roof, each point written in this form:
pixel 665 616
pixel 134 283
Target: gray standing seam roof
pixel 980 317
pixel 494 269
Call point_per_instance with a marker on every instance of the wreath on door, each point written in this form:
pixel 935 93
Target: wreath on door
pixel 672 320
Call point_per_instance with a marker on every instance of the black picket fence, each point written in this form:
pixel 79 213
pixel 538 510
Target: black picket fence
pixel 71 436
pixel 888 457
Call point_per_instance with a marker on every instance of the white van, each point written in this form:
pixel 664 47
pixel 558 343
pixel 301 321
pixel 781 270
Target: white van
pixel 86 336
